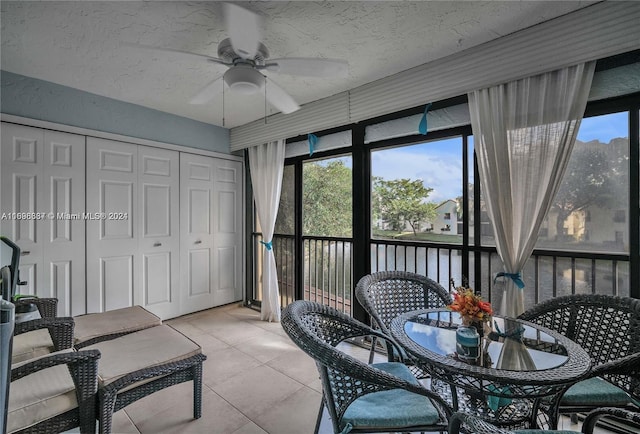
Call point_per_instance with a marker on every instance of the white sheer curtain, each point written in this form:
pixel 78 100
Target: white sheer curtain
pixel 524 132
pixel 266 163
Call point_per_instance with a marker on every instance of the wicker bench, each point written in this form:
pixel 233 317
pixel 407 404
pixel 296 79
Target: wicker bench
pixel 141 363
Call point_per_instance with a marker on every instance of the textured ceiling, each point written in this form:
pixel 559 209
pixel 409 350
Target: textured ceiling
pixel 79 44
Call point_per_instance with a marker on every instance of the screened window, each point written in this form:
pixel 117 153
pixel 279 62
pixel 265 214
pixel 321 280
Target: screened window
pixel 417 191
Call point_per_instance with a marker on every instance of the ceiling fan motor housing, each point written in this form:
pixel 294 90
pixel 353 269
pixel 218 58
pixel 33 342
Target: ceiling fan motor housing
pixel 244 79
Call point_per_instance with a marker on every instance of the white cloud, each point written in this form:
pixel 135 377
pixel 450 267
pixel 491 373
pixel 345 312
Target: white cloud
pixel 439 170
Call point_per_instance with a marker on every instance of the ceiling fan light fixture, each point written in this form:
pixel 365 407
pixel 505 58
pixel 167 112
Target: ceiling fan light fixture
pixel 244 80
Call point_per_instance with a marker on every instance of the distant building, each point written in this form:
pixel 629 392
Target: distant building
pixel 446 221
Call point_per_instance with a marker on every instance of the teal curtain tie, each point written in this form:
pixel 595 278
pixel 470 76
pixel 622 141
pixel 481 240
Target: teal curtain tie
pixel 496 402
pixel 422 128
pixel 516 277
pixel 313 139
pixel 515 334
pixel 267 244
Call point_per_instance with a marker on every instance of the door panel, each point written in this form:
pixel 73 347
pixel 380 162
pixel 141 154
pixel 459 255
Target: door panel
pixel 64 248
pixel 157 288
pixel 228 224
pixel 116 284
pixel 159 229
pixel 116 199
pixel 196 191
pixel 112 243
pixel 43 174
pixel 22 193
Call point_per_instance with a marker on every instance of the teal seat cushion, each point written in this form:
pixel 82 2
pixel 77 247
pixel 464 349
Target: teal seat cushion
pixel 594 392
pixel 391 408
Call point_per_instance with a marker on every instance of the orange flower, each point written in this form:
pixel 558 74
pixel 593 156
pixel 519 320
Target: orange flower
pixel 470 305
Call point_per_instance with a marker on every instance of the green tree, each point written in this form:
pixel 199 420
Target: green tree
pixel 402 201
pixel 587 182
pixel 327 199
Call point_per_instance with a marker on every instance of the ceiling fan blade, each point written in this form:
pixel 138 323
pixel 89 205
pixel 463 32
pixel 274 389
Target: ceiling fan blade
pixel 183 54
pixel 245 30
pixel 280 99
pixel 208 92
pixel 310 67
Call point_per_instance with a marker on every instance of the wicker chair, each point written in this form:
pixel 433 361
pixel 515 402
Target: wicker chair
pixel 466 423
pixel 39 382
pixel 381 397
pixel 387 294
pixel 608 328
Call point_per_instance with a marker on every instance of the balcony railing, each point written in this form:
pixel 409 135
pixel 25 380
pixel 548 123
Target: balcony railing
pixel 327 275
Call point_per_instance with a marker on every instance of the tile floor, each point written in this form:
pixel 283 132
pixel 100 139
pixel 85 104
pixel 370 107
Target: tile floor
pixel 256 381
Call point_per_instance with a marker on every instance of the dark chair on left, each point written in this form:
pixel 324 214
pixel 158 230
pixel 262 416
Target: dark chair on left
pixel 53 392
pixel 382 397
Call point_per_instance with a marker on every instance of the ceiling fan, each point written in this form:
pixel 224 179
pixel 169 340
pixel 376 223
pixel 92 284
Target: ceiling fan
pixel 245 55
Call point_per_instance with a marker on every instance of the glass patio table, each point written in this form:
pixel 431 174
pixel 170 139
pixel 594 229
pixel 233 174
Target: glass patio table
pixel 524 398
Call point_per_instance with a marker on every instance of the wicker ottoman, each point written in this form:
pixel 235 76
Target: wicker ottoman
pixel 141 363
pixel 96 327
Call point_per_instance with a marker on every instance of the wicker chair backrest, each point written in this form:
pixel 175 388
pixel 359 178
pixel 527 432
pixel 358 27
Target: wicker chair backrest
pixel 317 330
pixel 607 327
pixel 387 294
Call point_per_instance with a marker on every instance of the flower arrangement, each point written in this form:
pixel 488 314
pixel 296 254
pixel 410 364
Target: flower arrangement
pixel 470 306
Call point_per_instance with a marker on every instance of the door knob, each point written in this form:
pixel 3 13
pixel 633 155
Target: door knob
pixel 157 244
pixel 198 242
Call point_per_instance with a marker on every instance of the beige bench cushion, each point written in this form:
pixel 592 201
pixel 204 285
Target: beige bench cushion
pixel 31 344
pixel 128 319
pixel 40 396
pixel 147 348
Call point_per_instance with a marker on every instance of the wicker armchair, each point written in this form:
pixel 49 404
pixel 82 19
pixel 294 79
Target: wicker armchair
pixel 387 294
pixel 359 397
pixel 38 384
pixel 466 423
pixel 608 328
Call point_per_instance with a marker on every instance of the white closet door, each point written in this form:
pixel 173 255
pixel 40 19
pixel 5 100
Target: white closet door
pixel 23 196
pixel 43 201
pixel 228 227
pixel 112 235
pixel 196 234
pixel 64 246
pixel 159 229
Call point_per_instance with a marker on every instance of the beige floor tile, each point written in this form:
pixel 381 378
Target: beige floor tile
pixel 257 390
pixel 295 414
pixel 225 364
pixel 268 346
pixel 185 327
pixel 209 343
pixel 250 428
pixel 122 423
pixel 297 365
pixel 229 329
pixel 218 417
pixel 161 401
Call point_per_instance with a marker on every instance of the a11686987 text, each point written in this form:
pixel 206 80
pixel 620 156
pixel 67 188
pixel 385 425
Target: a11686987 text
pixel 64 216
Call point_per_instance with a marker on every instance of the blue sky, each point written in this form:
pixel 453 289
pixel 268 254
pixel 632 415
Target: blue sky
pixel 439 163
